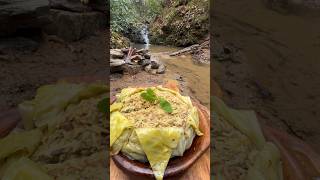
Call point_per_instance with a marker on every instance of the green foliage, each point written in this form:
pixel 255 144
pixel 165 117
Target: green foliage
pixel 126 14
pixel 154 8
pixel 123 15
pixel 117 41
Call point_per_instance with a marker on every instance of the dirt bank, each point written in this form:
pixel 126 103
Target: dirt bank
pixel 22 73
pixel 274 68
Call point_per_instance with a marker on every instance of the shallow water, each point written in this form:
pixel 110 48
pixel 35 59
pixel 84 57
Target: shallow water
pixel 182 68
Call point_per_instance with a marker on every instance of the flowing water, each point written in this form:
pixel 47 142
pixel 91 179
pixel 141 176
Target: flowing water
pixel 145 35
pixel 182 68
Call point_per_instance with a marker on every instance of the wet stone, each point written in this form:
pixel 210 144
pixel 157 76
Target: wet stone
pixel 161 69
pixel 116 53
pixel 144 62
pixel 154 65
pixel 131 69
pixel 147 56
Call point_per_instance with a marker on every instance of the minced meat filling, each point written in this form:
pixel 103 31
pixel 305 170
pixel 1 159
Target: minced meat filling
pixel 80 133
pixel 234 152
pixel 146 114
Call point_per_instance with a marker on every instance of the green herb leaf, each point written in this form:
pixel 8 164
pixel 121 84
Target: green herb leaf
pixel 103 105
pixel 165 105
pixel 149 95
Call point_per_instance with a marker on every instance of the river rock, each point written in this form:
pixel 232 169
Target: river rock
pixel 136 58
pixel 147 68
pixel 147 56
pixel 72 26
pixel 153 71
pixel 116 53
pixel 125 50
pixel 116 62
pixel 144 62
pixel 22 14
pixel 116 65
pixel 131 68
pixel 154 65
pixel 161 69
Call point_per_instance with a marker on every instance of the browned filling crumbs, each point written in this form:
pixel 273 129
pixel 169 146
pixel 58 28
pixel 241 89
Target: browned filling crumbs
pixel 146 114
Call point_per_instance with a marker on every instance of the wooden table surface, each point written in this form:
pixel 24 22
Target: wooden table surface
pixel 200 170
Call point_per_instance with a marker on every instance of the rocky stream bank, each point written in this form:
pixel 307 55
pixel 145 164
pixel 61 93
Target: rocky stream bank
pixel 132 61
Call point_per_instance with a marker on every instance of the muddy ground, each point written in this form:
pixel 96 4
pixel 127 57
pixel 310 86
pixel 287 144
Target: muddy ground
pixel 274 67
pixel 21 73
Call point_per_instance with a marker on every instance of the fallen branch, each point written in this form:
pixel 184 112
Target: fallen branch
pixel 185 50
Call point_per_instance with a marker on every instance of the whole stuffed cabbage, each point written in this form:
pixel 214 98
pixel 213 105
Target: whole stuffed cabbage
pixel 143 131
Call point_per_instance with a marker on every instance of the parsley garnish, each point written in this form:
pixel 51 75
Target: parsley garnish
pixel 165 105
pixel 150 96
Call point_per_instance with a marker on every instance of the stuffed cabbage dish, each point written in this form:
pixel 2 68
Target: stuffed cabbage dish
pixel 152 125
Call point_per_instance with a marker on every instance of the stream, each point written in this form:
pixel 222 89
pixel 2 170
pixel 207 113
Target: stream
pixel 196 77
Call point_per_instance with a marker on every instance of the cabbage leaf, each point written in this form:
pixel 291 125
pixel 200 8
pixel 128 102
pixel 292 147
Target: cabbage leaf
pixel 51 100
pixel 118 124
pixel 243 120
pixel 23 141
pixel 267 162
pixel 158 144
pixel 23 169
